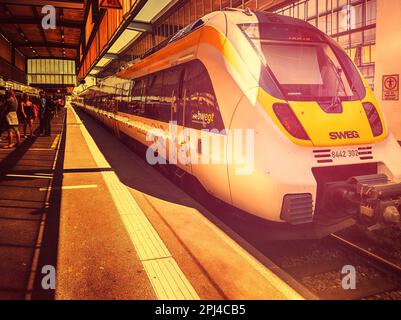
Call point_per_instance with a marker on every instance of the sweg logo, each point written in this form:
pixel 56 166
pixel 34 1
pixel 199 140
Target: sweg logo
pixel 49 20
pixel 344 135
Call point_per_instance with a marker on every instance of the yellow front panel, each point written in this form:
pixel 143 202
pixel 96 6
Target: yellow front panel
pixel 320 125
pixel 351 127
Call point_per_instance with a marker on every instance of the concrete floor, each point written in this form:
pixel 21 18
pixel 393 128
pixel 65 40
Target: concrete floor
pixel 23 206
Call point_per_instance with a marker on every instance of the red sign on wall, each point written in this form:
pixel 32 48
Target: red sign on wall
pixel 111 4
pixel 391 88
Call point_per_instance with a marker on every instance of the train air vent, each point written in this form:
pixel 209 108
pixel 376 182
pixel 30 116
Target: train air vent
pixel 297 209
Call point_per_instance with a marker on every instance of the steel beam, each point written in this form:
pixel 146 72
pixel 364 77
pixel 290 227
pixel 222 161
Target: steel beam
pixel 68 4
pixel 140 26
pixel 35 20
pixel 47 44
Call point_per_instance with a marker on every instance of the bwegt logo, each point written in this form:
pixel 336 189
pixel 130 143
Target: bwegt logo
pixel 189 146
pixel 49 20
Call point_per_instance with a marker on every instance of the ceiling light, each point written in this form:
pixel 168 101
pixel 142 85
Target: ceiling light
pixel 103 62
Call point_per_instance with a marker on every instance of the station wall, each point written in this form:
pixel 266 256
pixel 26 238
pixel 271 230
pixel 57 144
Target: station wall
pixel 388 57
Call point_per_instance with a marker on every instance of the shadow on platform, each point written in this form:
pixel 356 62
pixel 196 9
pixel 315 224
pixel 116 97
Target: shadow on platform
pixel 28 212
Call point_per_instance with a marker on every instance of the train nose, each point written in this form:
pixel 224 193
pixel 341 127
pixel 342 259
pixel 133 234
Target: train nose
pixel 350 126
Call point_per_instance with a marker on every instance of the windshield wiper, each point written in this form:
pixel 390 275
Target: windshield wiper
pixel 336 98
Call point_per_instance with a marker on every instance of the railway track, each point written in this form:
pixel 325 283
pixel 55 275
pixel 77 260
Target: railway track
pixel 318 265
pixel 374 258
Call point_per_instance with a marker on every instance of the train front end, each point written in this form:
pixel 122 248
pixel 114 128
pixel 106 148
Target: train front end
pixel 322 144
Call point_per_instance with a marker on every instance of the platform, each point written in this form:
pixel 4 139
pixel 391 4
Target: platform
pixel 26 174
pixel 112 230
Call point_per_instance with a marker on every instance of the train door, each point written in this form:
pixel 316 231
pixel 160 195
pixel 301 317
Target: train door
pixel 208 136
pixel 178 117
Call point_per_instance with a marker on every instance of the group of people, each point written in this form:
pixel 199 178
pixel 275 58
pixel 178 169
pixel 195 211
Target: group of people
pixel 14 113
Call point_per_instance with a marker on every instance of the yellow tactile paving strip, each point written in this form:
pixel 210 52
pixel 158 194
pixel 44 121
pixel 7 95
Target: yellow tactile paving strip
pixel 168 286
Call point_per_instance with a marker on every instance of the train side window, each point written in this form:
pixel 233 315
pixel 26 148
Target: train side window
pixel 125 96
pixel 136 106
pixel 180 97
pixel 169 92
pixel 115 99
pixel 202 108
pixel 122 97
pixel 145 87
pixel 164 106
pixel 103 102
pixel 152 105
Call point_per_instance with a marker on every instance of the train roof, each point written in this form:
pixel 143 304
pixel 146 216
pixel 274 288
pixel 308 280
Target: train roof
pixel 265 17
pixel 234 15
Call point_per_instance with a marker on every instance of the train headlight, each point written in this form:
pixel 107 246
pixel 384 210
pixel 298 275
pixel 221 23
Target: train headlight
pixel 290 121
pixel 374 119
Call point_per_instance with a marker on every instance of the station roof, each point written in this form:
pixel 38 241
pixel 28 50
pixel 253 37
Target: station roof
pixel 21 23
pixel 155 13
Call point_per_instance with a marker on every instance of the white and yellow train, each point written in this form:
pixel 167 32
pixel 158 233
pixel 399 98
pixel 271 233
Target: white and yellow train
pixel 322 151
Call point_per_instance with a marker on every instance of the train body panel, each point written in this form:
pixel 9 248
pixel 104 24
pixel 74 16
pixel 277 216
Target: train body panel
pixel 275 173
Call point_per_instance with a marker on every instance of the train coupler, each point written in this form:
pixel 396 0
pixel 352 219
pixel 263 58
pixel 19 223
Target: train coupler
pixel 380 200
pixel 375 199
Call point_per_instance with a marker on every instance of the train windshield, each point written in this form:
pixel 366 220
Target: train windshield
pixel 302 63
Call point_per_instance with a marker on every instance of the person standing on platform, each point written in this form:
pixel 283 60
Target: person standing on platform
pixel 60 104
pixel 21 118
pixel 28 113
pixel 3 122
pixel 48 115
pixel 55 111
pixel 12 119
pixel 42 109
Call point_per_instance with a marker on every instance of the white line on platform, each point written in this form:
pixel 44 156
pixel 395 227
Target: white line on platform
pixel 55 142
pixel 166 277
pixel 36 176
pixel 89 186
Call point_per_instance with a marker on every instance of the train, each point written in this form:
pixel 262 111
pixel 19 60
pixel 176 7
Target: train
pixel 321 154
pixel 19 89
